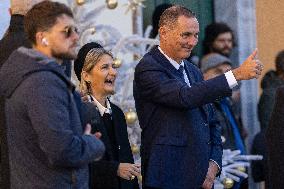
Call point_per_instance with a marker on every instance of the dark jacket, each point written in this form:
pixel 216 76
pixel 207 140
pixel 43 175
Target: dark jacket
pixel 259 168
pixel 269 84
pixel 103 173
pixel 47 148
pixel 179 131
pixel 15 38
pixel 227 130
pixel 274 138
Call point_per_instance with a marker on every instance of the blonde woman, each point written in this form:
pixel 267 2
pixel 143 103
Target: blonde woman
pixel 95 70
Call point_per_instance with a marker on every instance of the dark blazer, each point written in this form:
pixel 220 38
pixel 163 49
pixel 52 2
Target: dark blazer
pixel 275 142
pixel 179 131
pixel 103 173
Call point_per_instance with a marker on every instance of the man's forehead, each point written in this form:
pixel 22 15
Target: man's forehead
pixel 183 19
pixel 225 35
pixel 186 24
pixel 64 20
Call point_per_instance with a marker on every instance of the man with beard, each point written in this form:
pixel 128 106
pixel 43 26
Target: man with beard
pixel 180 141
pixel 47 145
pixel 219 38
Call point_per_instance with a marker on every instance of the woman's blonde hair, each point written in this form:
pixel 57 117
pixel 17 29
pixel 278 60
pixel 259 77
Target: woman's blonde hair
pixel 92 58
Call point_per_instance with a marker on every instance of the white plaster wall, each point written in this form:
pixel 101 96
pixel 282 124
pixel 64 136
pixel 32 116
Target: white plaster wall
pixel 4 16
pixel 115 17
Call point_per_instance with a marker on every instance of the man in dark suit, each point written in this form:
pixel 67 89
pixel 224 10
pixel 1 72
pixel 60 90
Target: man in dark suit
pixel 181 142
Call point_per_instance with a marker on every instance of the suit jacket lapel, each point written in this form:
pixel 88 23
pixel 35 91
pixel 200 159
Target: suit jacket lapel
pixel 193 80
pixel 189 73
pixel 163 61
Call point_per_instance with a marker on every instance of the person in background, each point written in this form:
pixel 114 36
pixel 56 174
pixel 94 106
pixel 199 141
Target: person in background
pixel 219 38
pixel 181 139
pixel 271 81
pixel 97 74
pixel 48 145
pixel 156 17
pixel 15 36
pixel 213 65
pixel 274 140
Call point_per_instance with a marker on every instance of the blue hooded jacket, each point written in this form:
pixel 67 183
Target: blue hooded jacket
pixel 47 148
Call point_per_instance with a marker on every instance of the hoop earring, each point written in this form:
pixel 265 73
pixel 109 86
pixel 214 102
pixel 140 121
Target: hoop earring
pixel 89 90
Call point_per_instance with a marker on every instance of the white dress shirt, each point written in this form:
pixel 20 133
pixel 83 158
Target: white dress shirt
pixel 100 107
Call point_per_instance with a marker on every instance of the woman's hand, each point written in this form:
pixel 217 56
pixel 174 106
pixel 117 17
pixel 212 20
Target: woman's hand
pixel 128 171
pixel 88 129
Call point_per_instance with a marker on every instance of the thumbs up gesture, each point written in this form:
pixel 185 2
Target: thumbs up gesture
pixel 251 68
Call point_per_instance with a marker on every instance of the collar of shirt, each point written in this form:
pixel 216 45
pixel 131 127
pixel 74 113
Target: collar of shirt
pixel 101 108
pixel 173 62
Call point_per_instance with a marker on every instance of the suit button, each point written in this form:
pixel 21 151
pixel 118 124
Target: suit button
pixel 209 142
pixel 206 124
pixel 119 147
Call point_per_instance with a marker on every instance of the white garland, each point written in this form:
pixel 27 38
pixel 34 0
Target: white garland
pixel 231 161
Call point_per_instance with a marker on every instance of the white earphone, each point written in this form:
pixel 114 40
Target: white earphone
pixel 44 41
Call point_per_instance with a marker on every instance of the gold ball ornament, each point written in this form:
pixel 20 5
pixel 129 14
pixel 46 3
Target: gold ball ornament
pixel 228 183
pixel 111 4
pixel 135 149
pixel 242 169
pixel 80 2
pixel 130 117
pixel 117 62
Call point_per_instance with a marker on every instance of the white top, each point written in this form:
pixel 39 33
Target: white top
pixel 100 107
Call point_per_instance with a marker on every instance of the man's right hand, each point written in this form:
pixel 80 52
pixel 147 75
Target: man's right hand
pixel 251 68
pixel 128 171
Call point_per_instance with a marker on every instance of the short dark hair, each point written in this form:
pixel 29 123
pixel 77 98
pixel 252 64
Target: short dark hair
pixel 211 33
pixel 170 16
pixel 279 61
pixel 43 16
pixel 156 18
